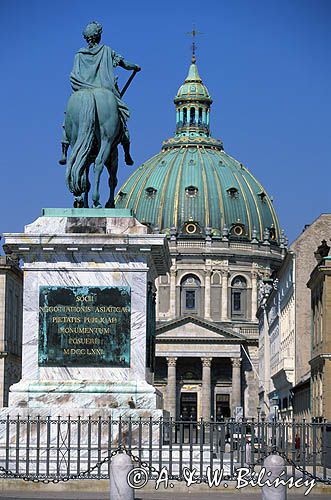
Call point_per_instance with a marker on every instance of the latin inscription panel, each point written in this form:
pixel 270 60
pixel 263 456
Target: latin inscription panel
pixel 84 326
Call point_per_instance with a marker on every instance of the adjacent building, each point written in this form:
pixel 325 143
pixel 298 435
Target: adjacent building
pixel 224 236
pixel 11 309
pixel 320 360
pixel 284 315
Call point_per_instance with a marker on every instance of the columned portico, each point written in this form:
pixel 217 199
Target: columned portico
pixel 204 359
pixel 236 383
pixel 206 388
pixel 171 387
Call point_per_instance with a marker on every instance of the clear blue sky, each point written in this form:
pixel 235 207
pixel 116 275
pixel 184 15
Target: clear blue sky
pixel 266 64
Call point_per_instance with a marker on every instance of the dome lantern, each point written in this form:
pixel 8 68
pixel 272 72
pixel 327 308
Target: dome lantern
pixel 193 105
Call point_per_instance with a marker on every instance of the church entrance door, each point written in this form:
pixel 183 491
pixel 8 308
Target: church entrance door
pixel 188 405
pixel 222 406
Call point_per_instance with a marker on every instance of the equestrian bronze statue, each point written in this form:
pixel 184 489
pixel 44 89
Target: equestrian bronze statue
pixel 95 119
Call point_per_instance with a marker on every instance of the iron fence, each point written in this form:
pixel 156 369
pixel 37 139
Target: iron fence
pixel 54 449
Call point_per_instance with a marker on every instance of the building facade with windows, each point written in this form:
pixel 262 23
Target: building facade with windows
pixel 285 325
pixel 276 314
pixel 224 237
pixel 320 362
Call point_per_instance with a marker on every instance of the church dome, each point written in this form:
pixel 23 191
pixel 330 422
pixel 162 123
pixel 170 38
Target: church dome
pixel 193 188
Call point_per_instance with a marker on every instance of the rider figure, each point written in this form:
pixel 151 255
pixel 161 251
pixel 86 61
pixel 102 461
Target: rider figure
pixel 93 68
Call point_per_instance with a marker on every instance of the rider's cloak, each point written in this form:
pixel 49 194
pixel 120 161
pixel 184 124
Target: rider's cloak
pixel 93 68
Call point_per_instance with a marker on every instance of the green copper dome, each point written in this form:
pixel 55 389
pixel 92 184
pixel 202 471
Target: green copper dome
pixel 193 187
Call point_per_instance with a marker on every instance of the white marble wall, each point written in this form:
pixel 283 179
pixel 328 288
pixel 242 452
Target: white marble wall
pixel 55 257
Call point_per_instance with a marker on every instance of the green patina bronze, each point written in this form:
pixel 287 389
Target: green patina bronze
pixel 95 119
pixel 84 326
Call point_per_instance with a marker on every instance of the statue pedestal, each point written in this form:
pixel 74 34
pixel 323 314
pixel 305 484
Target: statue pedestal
pixel 88 320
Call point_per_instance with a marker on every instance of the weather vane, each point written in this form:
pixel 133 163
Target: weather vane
pixel 194 33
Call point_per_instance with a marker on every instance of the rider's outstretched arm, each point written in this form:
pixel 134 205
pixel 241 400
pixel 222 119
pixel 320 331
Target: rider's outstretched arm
pixel 119 60
pixel 127 65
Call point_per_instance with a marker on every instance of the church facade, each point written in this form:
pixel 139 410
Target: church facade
pixel 224 237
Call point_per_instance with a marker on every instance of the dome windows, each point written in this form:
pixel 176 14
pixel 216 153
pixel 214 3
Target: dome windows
pixel 272 234
pixel 184 116
pixel 191 228
pixel 238 230
pixel 192 116
pixel 150 192
pixel 233 192
pixel 262 195
pixel 191 191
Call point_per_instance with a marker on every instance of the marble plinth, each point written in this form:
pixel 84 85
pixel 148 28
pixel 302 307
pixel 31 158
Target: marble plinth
pixel 98 249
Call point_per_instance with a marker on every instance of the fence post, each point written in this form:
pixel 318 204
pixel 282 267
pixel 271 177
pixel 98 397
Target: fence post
pixel 120 466
pixel 274 464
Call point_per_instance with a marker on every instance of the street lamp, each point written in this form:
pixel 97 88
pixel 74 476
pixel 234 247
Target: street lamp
pixel 274 401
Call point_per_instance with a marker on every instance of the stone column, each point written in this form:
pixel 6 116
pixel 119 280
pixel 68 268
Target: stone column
pixel 204 116
pixel 207 295
pixel 224 308
pixel 236 383
pixel 173 293
pixel 171 387
pixel 254 295
pixel 206 388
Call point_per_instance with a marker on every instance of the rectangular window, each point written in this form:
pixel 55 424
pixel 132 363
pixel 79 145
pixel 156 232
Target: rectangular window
pixel 237 301
pixel 190 299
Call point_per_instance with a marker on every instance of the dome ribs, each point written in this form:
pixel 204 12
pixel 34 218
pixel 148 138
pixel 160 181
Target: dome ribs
pixel 166 215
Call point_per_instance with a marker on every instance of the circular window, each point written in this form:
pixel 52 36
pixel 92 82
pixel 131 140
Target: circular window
pixel 191 228
pixel 238 230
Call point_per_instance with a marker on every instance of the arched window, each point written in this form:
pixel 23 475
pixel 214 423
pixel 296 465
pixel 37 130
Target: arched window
pixel 192 116
pixel 184 116
pixel 200 116
pixel 190 295
pixel 238 297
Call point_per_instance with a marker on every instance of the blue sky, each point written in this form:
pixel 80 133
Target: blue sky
pixel 266 64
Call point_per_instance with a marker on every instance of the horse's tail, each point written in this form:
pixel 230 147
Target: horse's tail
pixel 75 179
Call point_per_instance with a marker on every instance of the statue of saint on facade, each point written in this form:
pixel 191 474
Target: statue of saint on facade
pixel 95 119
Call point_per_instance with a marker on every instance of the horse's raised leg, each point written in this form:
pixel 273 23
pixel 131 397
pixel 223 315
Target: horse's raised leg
pixel 98 168
pixel 112 165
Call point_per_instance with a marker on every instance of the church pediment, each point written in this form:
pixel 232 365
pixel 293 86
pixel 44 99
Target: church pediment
pixel 189 327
